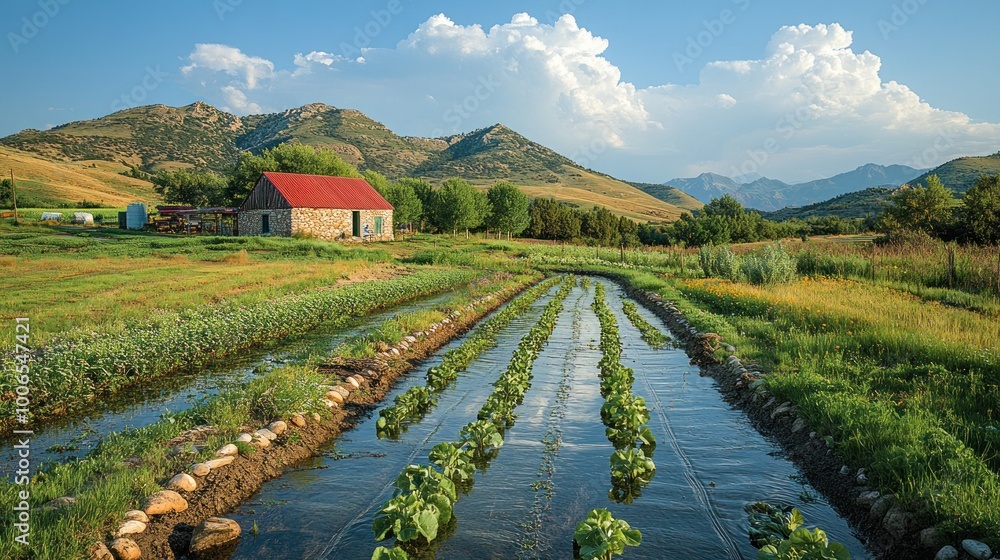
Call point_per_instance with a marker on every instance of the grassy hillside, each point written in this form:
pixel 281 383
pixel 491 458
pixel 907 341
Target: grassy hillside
pixel 199 136
pixel 851 205
pixel 150 137
pixel 670 195
pixel 960 174
pixel 42 182
pixel 358 139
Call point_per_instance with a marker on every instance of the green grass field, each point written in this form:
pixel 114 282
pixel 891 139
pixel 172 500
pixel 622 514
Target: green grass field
pixel 898 369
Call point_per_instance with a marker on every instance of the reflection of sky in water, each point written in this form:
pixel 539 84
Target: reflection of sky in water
pixel 324 509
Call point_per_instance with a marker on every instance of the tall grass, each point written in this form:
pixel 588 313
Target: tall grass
pixel 906 387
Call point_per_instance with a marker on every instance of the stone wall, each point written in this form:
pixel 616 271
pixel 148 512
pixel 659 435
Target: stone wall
pixel 337 225
pixel 249 222
pixel 324 223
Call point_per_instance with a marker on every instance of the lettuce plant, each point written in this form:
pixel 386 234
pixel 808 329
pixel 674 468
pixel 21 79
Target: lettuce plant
pixel 600 536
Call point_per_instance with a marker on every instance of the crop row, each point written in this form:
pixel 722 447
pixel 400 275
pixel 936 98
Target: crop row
pixel 650 334
pixel 600 536
pixel 82 365
pixel 417 401
pixel 424 496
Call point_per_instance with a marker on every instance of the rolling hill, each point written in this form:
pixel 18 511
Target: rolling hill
pixel 199 136
pixel 771 195
pixel 858 204
pixel 960 174
pixel 46 183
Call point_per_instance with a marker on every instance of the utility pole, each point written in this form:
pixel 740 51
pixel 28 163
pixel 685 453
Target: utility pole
pixel 13 194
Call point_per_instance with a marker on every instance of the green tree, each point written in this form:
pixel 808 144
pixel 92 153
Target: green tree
pixel 408 207
pixel 981 211
pixel 286 158
pixel 459 206
pixel 509 209
pixel 628 232
pixel 191 188
pixel 927 209
pixel 601 225
pixel 377 180
pixel 6 194
pixel 554 220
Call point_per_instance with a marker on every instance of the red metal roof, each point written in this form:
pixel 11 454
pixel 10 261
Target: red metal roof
pixel 319 191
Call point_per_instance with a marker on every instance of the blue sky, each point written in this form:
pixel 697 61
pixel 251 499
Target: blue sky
pixel 648 91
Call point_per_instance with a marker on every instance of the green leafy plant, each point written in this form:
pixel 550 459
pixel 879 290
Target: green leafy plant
pixel 631 467
pixel 600 536
pixel 778 533
pixel 650 334
pixel 422 502
pixel 482 437
pixel 454 461
pixel 383 553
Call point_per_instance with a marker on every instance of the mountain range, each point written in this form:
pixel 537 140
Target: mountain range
pixel 771 195
pixel 199 136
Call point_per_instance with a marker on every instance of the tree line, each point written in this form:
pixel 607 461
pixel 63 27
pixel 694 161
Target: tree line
pixel 456 206
pixel 934 210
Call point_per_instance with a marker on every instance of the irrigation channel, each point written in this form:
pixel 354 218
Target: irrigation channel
pixel 553 466
pixel 63 439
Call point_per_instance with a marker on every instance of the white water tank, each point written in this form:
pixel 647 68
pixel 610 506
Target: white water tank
pixel 136 216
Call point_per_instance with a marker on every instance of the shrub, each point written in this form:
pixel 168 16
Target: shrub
pixel 720 262
pixel 772 266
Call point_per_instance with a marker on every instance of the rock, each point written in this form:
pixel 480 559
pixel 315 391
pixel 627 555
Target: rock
pixel 220 462
pixel 200 469
pixel 126 549
pixel 344 392
pixel 165 501
pixel 410 339
pixel 212 533
pixel 394 351
pixel 799 425
pixel 845 470
pixel 977 549
pixel 898 522
pixel 316 417
pixel 262 442
pixel 59 503
pixel 353 382
pixel 933 537
pixel 785 408
pixel 329 403
pixel 98 551
pixel 947 553
pixel 862 478
pixel 334 397
pixel 136 515
pixel 245 438
pixel 298 420
pixel 278 427
pixel 182 482
pixel 881 507
pixel 130 528
pixel 266 434
pixel 868 499
pixel 226 450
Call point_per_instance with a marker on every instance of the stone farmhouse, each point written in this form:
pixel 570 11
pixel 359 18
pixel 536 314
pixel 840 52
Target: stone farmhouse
pixel 331 208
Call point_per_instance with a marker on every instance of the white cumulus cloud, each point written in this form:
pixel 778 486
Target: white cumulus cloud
pixel 811 106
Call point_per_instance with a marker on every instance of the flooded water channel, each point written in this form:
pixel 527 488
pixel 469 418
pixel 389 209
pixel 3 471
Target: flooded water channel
pixel 553 467
pixel 67 438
